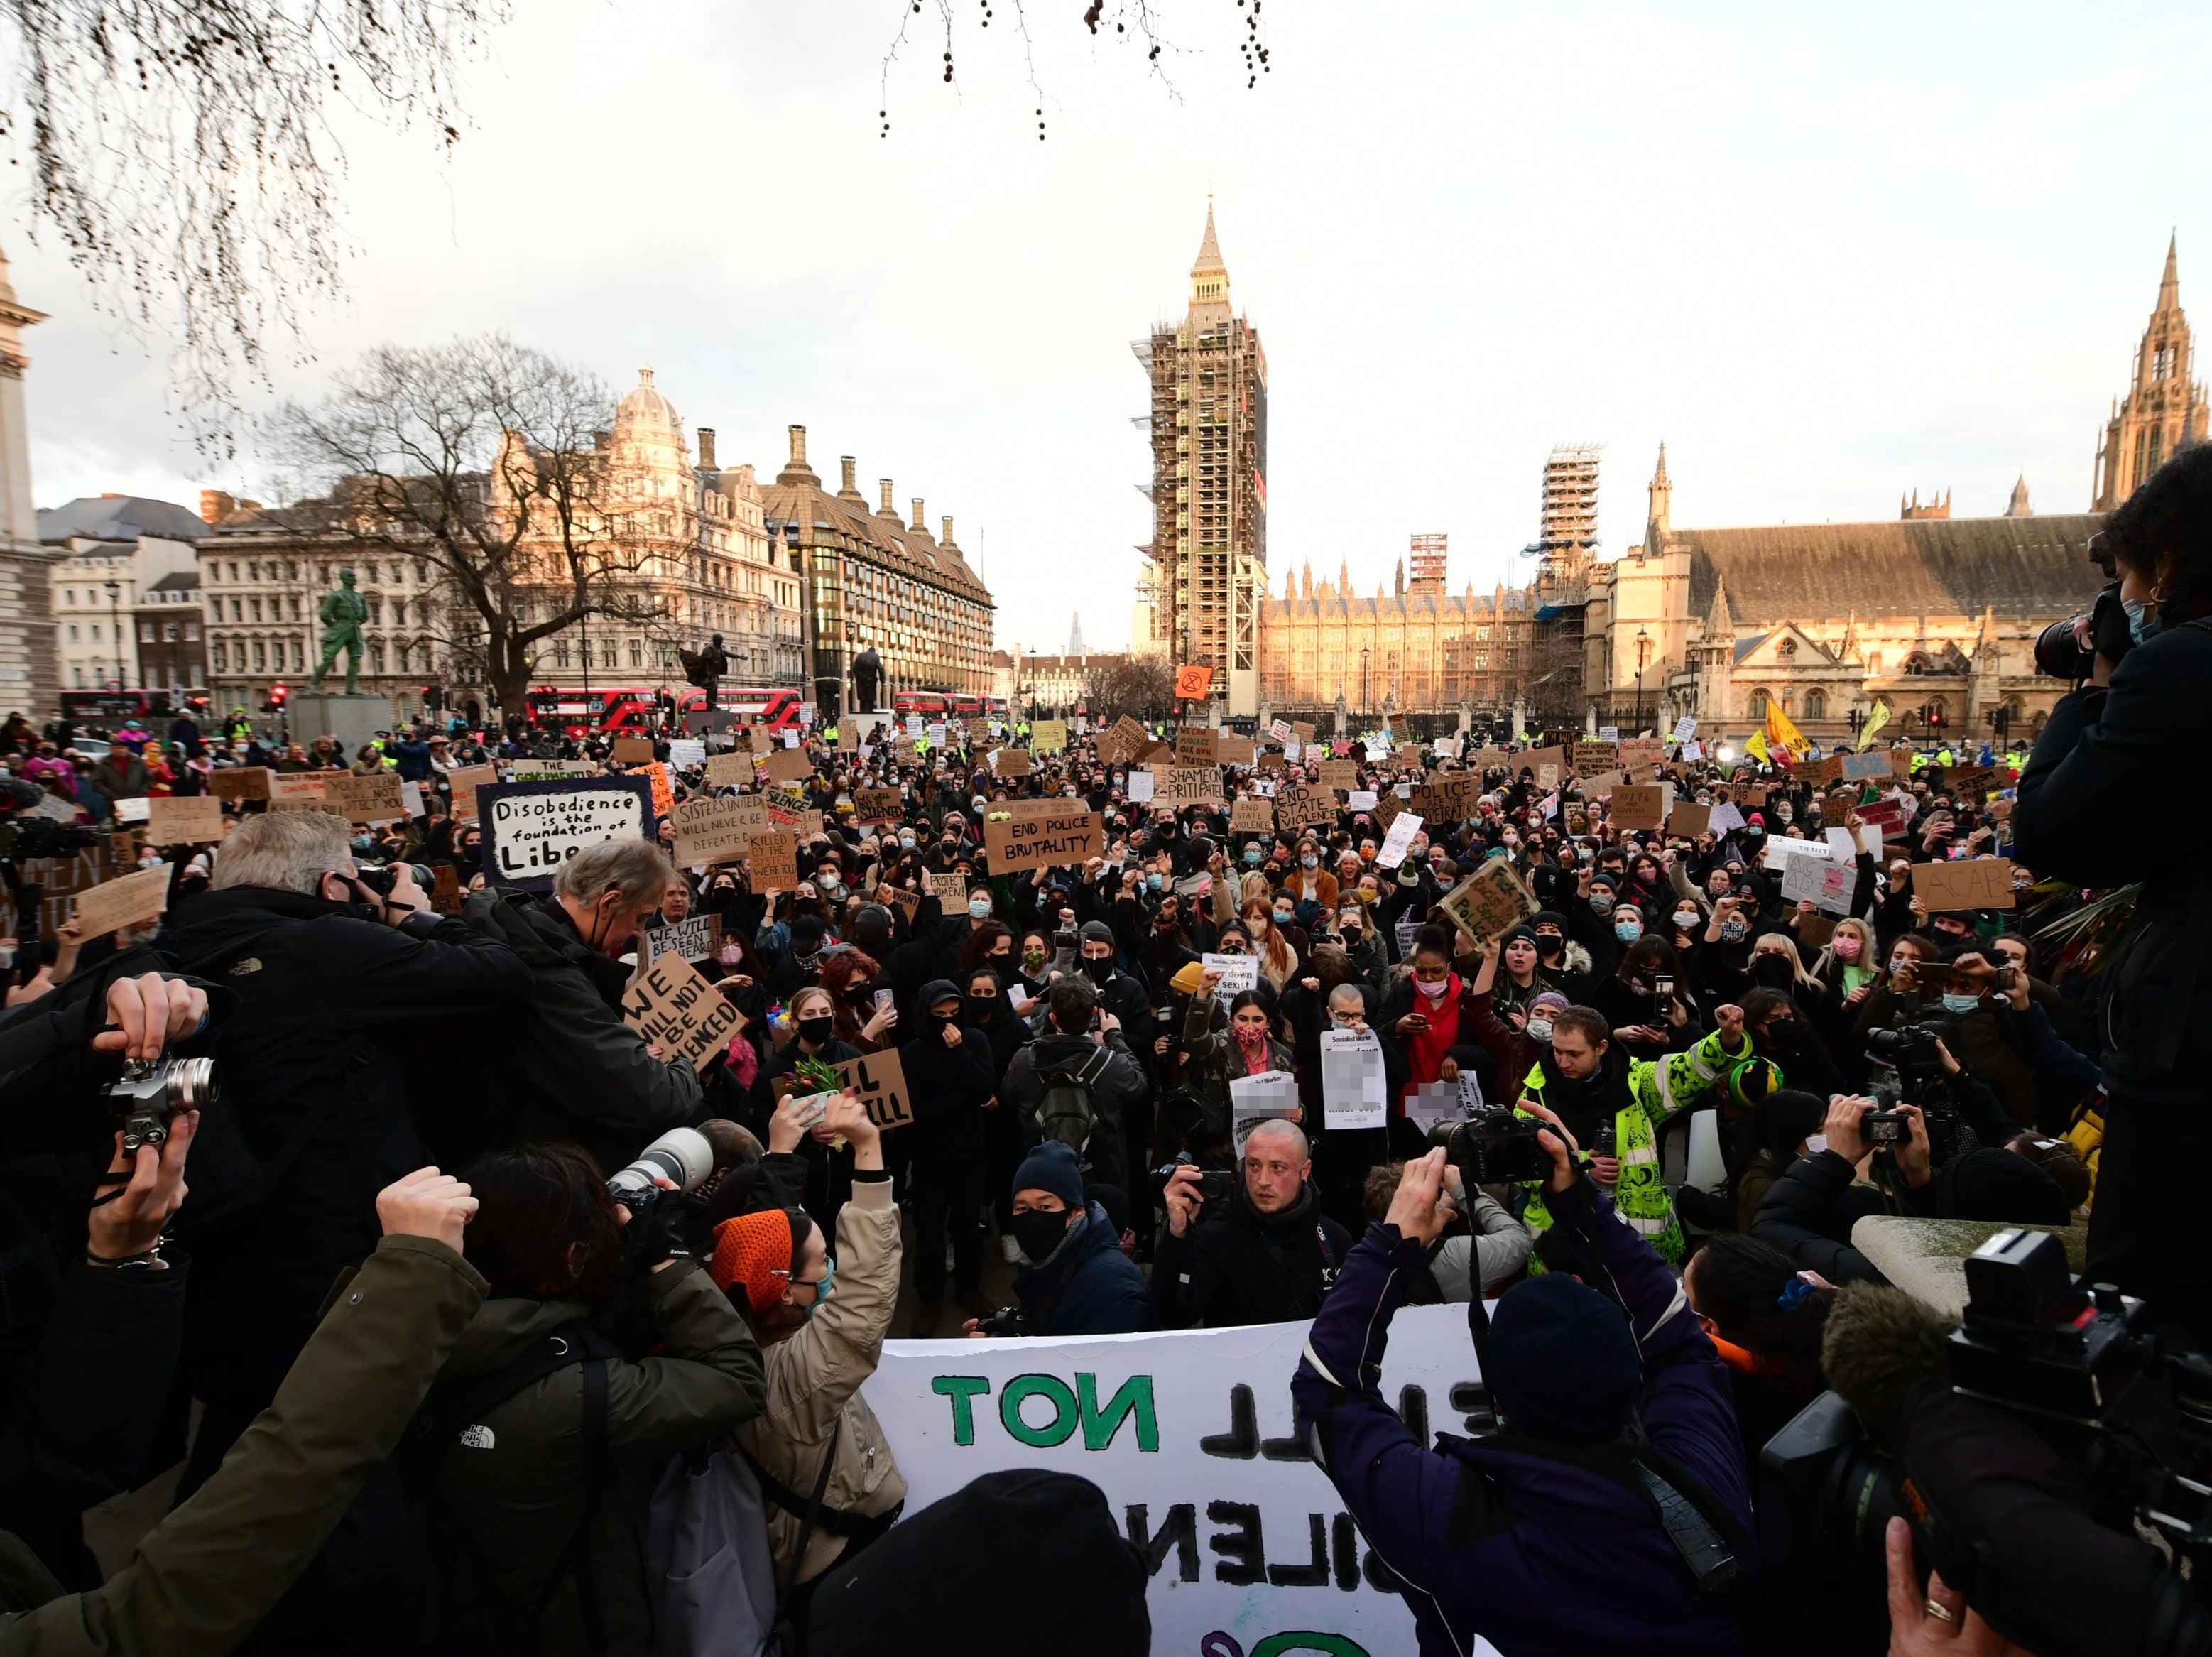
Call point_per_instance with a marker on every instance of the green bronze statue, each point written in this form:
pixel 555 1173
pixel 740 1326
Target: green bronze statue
pixel 343 613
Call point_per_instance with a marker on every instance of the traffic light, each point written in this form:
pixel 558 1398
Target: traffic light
pixel 274 702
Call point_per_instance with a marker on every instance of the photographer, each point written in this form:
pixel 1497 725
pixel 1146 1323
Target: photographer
pixel 1547 1535
pixel 1267 1255
pixel 2112 742
pixel 552 1501
pixel 571 1068
pixel 334 981
pixel 1079 1282
pixel 1088 1076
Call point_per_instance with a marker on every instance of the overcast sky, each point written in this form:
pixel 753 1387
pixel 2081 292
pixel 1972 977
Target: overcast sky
pixel 1828 254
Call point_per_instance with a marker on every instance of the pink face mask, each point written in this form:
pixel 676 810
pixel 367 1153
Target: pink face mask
pixel 1846 948
pixel 1250 1035
pixel 1433 991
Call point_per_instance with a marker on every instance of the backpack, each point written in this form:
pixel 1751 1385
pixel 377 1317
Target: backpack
pixel 1067 1110
pixel 395 1577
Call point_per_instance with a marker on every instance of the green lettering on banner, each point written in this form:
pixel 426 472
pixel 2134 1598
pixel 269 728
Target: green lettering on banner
pixel 1133 1397
pixel 1058 1430
pixel 962 1389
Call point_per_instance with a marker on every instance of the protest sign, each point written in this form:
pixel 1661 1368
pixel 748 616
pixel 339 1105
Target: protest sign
pixel 1591 758
pixel 1039 833
pixel 1238 974
pixel 878 1081
pixel 717 831
pixel 1447 799
pixel 366 799
pixel 1973 883
pixel 1429 1102
pixel 303 785
pixel 632 750
pixel 1686 728
pixel 464 782
pixel 1361 800
pixel 1187 785
pixel 1123 742
pixel 670 1005
pixel 1192 683
pixel 1639 806
pixel 789 766
pixel 1140 785
pixel 239 782
pixel 949 890
pixel 125 901
pixel 1010 761
pixel 1048 736
pixel 1168 1426
pixel 1818 773
pixel 1387 807
pixel 1280 730
pixel 1256 1098
pixel 979 732
pixel 877 805
pixel 1489 902
pixel 1827 883
pixel 546 771
pixel 730 770
pixel 1535 760
pixel 935 731
pixel 786 807
pixel 1638 755
pixel 1886 815
pixel 1196 745
pixel 1298 804
pixel 1688 819
pixel 1352 1083
pixel 685 751
pixel 1251 816
pixel 692 939
pixel 530 829
pixel 772 860
pixel 1337 774
pixel 1399 840
pixel 181 822
pixel 1865 767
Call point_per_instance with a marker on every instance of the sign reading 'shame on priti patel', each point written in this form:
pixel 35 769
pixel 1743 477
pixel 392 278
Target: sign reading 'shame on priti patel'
pixel 530 829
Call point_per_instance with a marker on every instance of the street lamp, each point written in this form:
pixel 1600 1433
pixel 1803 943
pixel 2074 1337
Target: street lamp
pixel 1643 655
pixel 114 625
pixel 1365 689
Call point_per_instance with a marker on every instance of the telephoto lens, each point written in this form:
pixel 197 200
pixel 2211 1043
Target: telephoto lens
pixel 682 1155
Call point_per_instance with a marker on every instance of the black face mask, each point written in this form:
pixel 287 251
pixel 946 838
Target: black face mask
pixel 1099 968
pixel 1783 1036
pixel 1548 946
pixel 1039 1232
pixel 1771 971
pixel 817 1030
pixel 980 1008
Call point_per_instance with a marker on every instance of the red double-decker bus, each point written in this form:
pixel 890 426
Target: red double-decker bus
pixel 624 710
pixel 772 708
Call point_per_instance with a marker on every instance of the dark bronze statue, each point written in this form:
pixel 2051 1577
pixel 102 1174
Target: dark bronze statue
pixel 867 679
pixel 705 667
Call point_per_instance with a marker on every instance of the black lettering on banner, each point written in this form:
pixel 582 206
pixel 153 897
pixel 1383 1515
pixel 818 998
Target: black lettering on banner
pixel 1242 1441
pixel 1180 1532
pixel 1243 1561
pixel 1313 1573
pixel 1344 1539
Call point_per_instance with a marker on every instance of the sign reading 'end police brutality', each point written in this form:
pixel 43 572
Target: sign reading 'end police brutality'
pixel 530 829
pixel 1247 1548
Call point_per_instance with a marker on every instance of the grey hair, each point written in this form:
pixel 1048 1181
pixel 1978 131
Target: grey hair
pixel 1280 1127
pixel 1346 995
pixel 638 869
pixel 287 850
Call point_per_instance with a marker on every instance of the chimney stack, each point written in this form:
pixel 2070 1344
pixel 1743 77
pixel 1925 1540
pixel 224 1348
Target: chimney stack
pixel 917 515
pixel 887 508
pixel 215 505
pixel 798 446
pixel 948 530
pixel 848 464
pixel 707 450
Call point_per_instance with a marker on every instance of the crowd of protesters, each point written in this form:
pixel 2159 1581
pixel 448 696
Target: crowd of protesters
pixel 1704 1052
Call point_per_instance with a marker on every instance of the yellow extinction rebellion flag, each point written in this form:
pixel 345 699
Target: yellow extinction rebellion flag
pixel 1875 720
pixel 1781 734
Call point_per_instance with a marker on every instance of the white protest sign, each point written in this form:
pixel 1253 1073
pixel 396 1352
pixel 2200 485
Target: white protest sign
pixel 1352 1086
pixel 410 799
pixel 1254 1100
pixel 1169 1427
pixel 1725 817
pixel 1238 974
pixel 1140 785
pixel 1781 852
pixel 1428 1103
pixel 1361 800
pixel 693 938
pixel 1823 881
pixel 530 829
pixel 1686 728
pixel 1840 845
pixel 1399 841
pixel 684 751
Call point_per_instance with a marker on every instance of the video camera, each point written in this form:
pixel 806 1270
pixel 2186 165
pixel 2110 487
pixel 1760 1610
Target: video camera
pixel 1909 1070
pixel 146 1098
pixel 2065 1357
pixel 1493 1147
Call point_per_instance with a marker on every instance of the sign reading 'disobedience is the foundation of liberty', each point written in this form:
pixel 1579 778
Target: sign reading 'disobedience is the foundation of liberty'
pixel 530 829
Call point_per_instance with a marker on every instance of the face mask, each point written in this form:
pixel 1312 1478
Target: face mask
pixel 1032 960
pixel 1754 831
pixel 1584 854
pixel 817 1030
pixel 1733 931
pixel 1309 861
pixel 979 909
pixel 980 1008
pixel 2141 624
pixel 1152 882
pixel 1846 948
pixel 1250 1035
pixel 1601 903
pixel 1282 918
pixel 1783 1036
pixel 1686 919
pixel 942 1015
pixel 1627 931
pixel 1350 928
pixel 1039 1232
pixel 1785 812
pixel 1548 945
pixel 1252 857
pixel 1100 967
pixel 1961 1004
pixel 1433 991
pixel 1772 970
pixel 907 840
pixel 1539 1029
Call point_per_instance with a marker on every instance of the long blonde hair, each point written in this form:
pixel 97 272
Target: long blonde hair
pixel 1859 930
pixel 1783 943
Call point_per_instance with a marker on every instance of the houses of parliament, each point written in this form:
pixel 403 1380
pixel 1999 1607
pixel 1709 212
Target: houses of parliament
pixel 1933 614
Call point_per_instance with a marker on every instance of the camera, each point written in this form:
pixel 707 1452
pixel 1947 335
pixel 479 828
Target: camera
pixel 1008 1322
pixel 42 837
pixel 682 1156
pixel 150 1093
pixel 1494 1147
pixel 1884 1127
pixel 1214 1184
pixel 1908 1070
pixel 380 878
pixel 2061 655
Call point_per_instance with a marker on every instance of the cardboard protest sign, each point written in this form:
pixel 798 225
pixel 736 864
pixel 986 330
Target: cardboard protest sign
pixel 1048 736
pixel 1039 833
pixel 1447 798
pixel 1123 741
pixel 1010 761
pixel 1688 819
pixel 730 770
pixel 1193 682
pixel 979 732
pixel 672 1005
pixel 530 829
pixel 949 890
pixel 464 782
pixel 1974 883
pixel 878 1082
pixel 194 821
pixel 877 805
pixel 298 785
pixel 632 750
pixel 717 831
pixel 1196 745
pixel 1187 785
pixel 1593 757
pixel 1900 762
pixel 692 939
pixel 1887 815
pixel 1640 753
pixel 1298 804
pixel 1490 902
pixel 1337 774
pixel 1248 816
pixel 126 901
pixel 772 859
pixel 1818 773
pixel 239 782
pixel 789 766
pixel 366 799
pixel 906 898
pixel 1640 805
pixel 849 737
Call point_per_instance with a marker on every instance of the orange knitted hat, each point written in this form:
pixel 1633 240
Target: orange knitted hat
pixel 749 1251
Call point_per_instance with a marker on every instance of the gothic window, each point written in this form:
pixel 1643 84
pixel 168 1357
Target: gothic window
pixel 1754 705
pixel 1786 649
pixel 1816 705
pixel 2157 438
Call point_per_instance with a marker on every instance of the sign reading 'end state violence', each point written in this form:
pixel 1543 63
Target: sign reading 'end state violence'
pixel 1041 833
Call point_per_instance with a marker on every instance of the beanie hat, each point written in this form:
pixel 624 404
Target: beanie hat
pixel 1563 1365
pixel 749 1251
pixel 1550 998
pixel 806 933
pixel 1752 1080
pixel 1097 932
pixel 1052 1167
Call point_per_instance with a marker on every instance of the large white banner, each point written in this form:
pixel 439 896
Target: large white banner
pixel 1189 1434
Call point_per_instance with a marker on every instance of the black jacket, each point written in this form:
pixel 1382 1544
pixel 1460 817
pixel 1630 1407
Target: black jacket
pixel 1808 1215
pixel 314 1068
pixel 946 1085
pixel 2106 748
pixel 1241 1266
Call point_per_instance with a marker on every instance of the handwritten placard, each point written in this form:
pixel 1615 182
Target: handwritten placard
pixel 717 831
pixel 1039 833
pixel 878 1082
pixel 670 1005
pixel 126 901
pixel 366 799
pixel 773 860
pixel 1490 902
pixel 173 822
pixel 530 829
pixel 239 782
pixel 1975 883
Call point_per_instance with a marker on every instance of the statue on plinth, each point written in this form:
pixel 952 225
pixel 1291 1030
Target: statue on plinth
pixel 343 611
pixel 867 681
pixel 705 667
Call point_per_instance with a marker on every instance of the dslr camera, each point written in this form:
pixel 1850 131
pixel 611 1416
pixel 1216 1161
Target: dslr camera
pixel 1007 1323
pixel 151 1091
pixel 1214 1184
pixel 1493 1147
pixel 682 1155
pixel 2061 655
pixel 380 878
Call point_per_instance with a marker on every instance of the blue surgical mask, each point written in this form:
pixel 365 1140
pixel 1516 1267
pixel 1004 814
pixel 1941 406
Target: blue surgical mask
pixel 824 1286
pixel 1627 931
pixel 2143 623
pixel 979 909
pixel 1961 1004
pixel 1252 855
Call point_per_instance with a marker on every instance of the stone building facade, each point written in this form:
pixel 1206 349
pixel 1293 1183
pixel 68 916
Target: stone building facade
pixel 2164 409
pixel 148 550
pixel 29 680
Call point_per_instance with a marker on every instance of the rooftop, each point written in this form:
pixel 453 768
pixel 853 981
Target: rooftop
pixel 119 518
